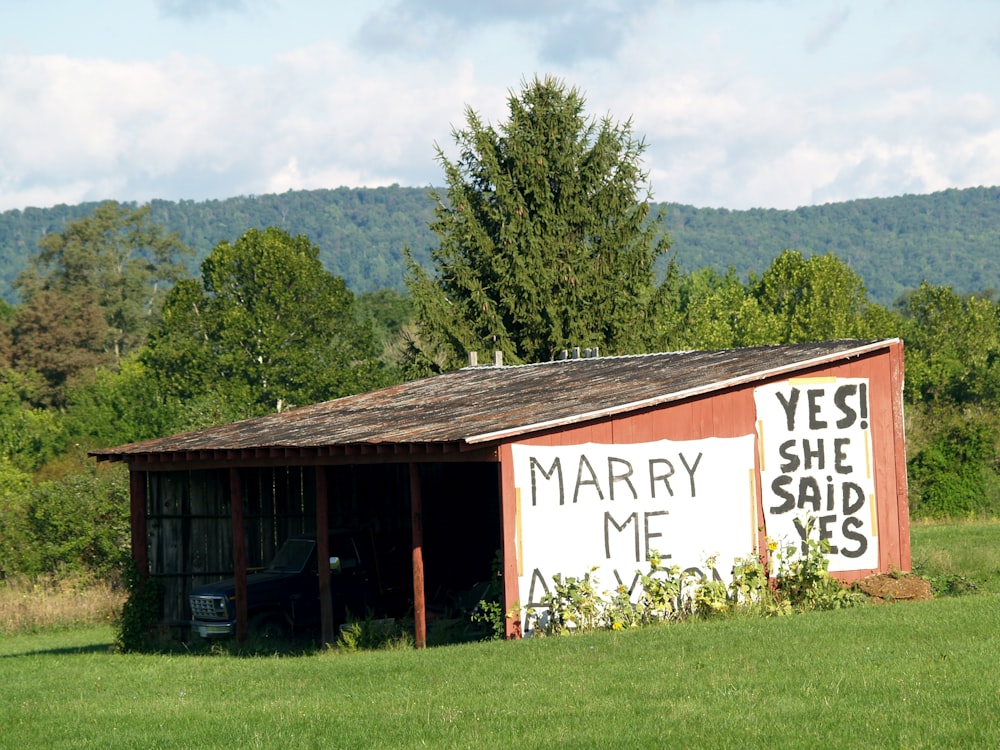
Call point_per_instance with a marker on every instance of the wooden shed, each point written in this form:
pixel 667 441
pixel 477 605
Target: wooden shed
pixel 552 468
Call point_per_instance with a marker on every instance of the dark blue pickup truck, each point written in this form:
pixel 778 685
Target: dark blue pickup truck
pixel 284 599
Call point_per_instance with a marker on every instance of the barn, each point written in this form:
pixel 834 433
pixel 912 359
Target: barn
pixel 553 468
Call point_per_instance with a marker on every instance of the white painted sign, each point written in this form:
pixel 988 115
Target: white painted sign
pixel 607 506
pixel 816 461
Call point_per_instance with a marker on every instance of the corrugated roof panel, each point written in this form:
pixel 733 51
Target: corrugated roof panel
pixel 475 405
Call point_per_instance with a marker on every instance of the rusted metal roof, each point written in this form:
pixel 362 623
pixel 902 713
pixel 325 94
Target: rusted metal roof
pixel 479 406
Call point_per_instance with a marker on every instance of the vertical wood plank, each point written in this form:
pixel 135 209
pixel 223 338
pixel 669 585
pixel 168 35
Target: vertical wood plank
pixel 323 555
pixel 508 522
pixel 137 512
pixel 239 553
pixel 416 518
pixel 899 440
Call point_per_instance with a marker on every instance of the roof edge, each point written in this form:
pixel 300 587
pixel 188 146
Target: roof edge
pixel 487 437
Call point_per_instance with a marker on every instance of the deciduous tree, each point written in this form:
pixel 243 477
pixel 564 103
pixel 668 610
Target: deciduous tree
pixel 268 328
pixel 92 292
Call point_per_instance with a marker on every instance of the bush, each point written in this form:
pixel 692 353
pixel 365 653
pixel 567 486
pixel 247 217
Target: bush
pixel 952 466
pixel 78 524
pixel 140 614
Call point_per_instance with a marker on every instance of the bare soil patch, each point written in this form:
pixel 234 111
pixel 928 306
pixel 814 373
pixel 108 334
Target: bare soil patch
pixel 905 587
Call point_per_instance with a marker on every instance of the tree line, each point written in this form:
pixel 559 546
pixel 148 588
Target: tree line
pixel 948 238
pixel 546 239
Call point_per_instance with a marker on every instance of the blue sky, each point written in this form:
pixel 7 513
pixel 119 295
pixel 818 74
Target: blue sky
pixel 743 103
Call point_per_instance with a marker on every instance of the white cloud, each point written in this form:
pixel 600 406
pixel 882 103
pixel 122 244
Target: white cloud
pixel 258 96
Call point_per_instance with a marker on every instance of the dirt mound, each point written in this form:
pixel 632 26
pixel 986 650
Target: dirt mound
pixel 886 587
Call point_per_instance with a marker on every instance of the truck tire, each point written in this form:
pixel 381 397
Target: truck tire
pixel 269 626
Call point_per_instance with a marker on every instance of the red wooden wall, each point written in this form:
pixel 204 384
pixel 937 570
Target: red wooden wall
pixel 732 413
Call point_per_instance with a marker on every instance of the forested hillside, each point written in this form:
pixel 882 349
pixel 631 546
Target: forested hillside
pixel 950 238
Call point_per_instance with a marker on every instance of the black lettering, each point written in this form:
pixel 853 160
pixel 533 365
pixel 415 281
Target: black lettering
pixel 808 454
pixel 840 399
pixel 651 534
pixel 556 468
pixel 654 477
pixel 691 470
pixel 859 495
pixel 786 449
pixel 536 601
pixel 809 492
pixel 863 405
pixel 635 581
pixel 848 533
pixel 580 481
pixel 825 532
pixel 789 406
pixel 609 521
pixel 840 455
pixel 614 478
pixel 777 487
pixel 815 423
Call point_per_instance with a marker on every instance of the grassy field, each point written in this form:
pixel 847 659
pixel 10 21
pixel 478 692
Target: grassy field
pixel 904 675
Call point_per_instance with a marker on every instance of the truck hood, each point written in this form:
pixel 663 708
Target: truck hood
pixel 227 586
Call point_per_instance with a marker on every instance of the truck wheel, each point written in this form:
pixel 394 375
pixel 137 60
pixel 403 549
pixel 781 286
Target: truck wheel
pixel 269 626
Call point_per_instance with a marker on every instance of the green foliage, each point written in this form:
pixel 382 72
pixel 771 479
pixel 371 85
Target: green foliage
pixel 91 293
pixel 269 329
pixel 802 577
pixel 801 582
pixel 796 299
pixel 122 406
pixel 573 604
pixel 953 346
pixel 544 238
pixel 952 386
pixel 140 615
pixel 120 258
pixel 819 298
pixel 77 524
pixel 29 435
pixel 953 467
pixel 372 634
pixel 894 244
pixel 945 238
pixel 489 609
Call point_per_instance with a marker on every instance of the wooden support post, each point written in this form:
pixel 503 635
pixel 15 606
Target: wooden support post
pixel 239 553
pixel 137 512
pixel 511 561
pixel 902 512
pixel 416 519
pixel 323 556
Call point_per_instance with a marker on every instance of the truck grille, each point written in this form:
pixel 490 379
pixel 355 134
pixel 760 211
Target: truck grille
pixel 208 608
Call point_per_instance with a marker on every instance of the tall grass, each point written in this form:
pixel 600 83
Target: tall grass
pixel 31 604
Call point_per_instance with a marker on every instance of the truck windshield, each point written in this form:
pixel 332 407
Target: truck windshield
pixel 293 556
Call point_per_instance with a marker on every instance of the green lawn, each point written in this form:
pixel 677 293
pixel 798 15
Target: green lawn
pixel 904 675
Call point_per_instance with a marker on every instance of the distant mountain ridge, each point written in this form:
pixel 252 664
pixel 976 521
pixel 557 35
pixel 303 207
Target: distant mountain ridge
pixel 948 238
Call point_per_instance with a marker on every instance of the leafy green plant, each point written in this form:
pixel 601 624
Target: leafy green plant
pixel 140 613
pixel 667 592
pixel 802 575
pixel 374 634
pixel 574 604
